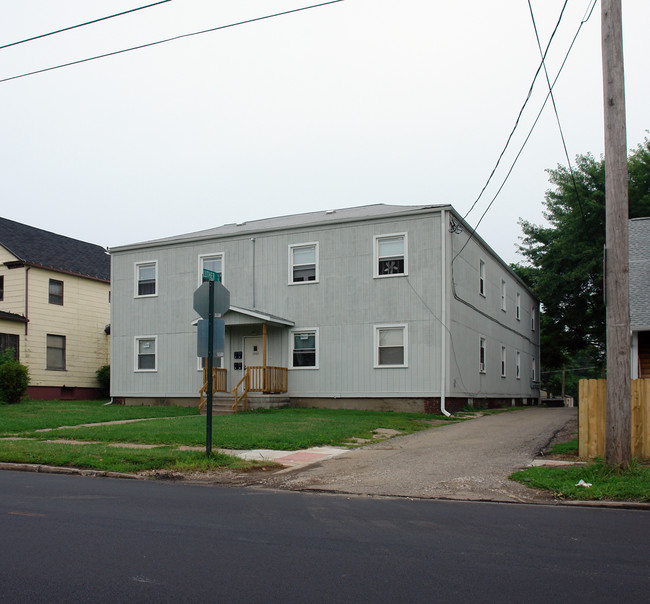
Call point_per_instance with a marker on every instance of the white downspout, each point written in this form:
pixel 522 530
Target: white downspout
pixel 443 312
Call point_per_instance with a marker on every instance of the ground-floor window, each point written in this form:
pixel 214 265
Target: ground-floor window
pixel 390 346
pixel 10 341
pixel 55 352
pixel 145 353
pixel 304 349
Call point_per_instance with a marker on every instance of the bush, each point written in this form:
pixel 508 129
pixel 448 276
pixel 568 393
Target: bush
pixel 14 378
pixel 104 379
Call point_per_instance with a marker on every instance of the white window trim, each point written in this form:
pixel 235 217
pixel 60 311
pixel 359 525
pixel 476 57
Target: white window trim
pixel 533 368
pixel 532 317
pixel 136 352
pixel 200 266
pixel 405 344
pixel 482 281
pixel 504 360
pixel 504 295
pixel 482 344
pixel 292 332
pixel 136 265
pixel 518 308
pixel 518 365
pixel 375 256
pixel 315 244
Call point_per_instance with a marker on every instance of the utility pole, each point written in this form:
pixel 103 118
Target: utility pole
pixel 617 292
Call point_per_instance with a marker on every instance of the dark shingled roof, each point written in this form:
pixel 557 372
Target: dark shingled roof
pixel 36 247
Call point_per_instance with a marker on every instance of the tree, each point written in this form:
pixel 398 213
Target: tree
pixel 565 258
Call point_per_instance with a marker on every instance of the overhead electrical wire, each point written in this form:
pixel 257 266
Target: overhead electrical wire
pixel 557 117
pixel 586 18
pixel 58 31
pixel 514 128
pixel 179 37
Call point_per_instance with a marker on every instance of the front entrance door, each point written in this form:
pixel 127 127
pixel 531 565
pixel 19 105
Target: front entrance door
pixel 253 352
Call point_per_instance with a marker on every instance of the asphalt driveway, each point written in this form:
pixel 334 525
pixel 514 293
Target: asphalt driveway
pixel 470 460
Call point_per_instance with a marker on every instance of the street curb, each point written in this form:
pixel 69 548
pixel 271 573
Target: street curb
pixel 44 469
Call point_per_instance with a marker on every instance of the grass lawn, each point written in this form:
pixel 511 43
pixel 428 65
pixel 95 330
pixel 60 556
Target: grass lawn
pixel 607 483
pixel 34 415
pixel 119 459
pixel 280 429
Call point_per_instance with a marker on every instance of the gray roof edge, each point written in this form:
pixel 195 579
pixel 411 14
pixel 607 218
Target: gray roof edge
pixel 251 228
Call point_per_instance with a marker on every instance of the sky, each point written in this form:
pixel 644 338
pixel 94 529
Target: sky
pixel 354 103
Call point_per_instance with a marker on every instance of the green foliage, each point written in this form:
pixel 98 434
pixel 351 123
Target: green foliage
pixel 565 262
pixel 607 483
pixel 14 377
pixel 104 379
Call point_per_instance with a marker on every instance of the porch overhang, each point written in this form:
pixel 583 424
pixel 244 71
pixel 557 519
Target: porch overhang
pixel 245 316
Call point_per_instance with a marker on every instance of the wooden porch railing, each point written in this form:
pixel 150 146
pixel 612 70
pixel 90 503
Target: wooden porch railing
pixel 269 380
pixel 219 377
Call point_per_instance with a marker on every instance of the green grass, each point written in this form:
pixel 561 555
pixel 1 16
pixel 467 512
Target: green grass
pixel 607 483
pixel 280 429
pixel 569 448
pixel 118 459
pixel 34 415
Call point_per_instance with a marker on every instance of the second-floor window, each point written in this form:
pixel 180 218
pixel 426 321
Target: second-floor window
pixel 481 278
pixel 211 262
pixel 391 255
pixel 503 295
pixel 2 287
pixel 303 263
pixel 56 292
pixel 518 306
pixel 146 276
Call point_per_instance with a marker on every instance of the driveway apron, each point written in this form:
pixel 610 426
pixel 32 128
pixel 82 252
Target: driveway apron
pixel 470 460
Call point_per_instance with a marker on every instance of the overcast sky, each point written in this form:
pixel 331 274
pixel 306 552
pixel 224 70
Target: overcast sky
pixel 360 102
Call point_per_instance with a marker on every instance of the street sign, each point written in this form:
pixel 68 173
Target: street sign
pixel 218 338
pixel 202 299
pixel 209 275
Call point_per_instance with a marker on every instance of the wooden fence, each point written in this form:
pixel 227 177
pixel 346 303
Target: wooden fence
pixel 592 418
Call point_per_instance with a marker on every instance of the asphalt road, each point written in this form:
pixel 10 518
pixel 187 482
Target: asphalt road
pixel 82 539
pixel 470 460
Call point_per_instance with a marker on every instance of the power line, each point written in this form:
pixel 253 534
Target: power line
pixel 530 92
pixel 586 18
pixel 147 45
pixel 557 117
pixel 58 31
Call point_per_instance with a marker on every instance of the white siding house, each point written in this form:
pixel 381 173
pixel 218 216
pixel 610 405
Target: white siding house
pixel 376 307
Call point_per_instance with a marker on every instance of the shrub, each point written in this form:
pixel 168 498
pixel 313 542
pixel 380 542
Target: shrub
pixel 104 379
pixel 14 378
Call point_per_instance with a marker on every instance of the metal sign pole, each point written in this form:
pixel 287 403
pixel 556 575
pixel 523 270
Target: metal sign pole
pixel 208 425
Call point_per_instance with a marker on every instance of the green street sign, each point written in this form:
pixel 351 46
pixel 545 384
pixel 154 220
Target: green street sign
pixel 209 275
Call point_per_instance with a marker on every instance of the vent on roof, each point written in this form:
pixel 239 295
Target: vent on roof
pixel 240 223
pixel 330 211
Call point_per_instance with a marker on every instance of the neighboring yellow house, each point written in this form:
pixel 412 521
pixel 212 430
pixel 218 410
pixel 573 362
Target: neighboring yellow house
pixel 54 309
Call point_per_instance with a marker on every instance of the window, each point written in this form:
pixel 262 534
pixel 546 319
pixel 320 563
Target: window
pixel 10 341
pixel 211 262
pixel 532 317
pixel 145 353
pixel 503 295
pixel 481 354
pixel 518 365
pixel 304 349
pixel 533 370
pixel 390 255
pixel 390 345
pixel 56 292
pixel 55 352
pixel 503 361
pixel 146 276
pixel 518 310
pixel 303 263
pixel 2 287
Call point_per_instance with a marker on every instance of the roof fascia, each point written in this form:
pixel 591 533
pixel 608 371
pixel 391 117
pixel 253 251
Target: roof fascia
pixel 21 263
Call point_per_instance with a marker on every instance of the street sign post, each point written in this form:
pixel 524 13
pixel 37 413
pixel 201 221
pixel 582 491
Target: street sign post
pixel 210 298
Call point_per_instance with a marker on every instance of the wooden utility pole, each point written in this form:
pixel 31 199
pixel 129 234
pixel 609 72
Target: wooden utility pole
pixel 617 291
